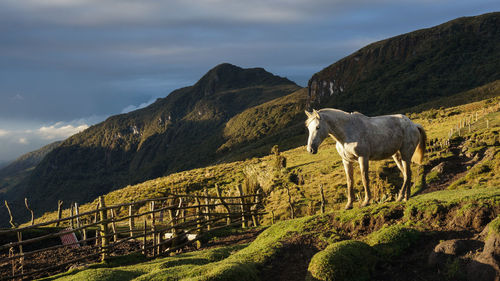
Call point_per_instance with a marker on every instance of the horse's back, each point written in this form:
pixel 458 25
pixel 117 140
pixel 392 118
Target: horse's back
pixel 388 134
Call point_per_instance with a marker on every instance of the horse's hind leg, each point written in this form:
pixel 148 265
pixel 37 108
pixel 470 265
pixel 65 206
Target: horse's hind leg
pixel 349 175
pixel 405 189
pixel 363 166
pixel 397 159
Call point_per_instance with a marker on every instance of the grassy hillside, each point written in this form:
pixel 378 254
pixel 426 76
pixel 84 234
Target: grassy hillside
pixel 305 173
pixel 455 196
pixel 348 245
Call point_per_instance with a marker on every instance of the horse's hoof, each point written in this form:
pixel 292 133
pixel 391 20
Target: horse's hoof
pixel 365 203
pixel 399 198
pixel 348 206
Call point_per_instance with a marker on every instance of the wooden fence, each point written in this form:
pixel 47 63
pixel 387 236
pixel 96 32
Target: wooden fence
pixel 157 226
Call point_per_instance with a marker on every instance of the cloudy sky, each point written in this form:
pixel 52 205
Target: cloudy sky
pixel 67 64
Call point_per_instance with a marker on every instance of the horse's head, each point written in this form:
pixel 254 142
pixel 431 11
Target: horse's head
pixel 317 131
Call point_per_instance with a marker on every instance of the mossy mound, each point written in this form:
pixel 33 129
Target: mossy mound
pixel 392 241
pixel 494 226
pixel 346 260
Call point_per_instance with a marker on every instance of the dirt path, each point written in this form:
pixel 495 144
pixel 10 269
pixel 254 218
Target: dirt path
pixel 58 256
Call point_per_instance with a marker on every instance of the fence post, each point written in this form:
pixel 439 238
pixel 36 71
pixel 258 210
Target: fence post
pixel 242 200
pixel 255 207
pixel 104 228
pixel 323 203
pixel 173 221
pixel 31 211
pixel 131 221
pixel 153 229
pixel 59 211
pixel 144 252
pixel 21 259
pixel 207 209
pixel 198 219
pixel 219 194
pixel 292 213
pixel 71 214
pixel 78 223
pixel 11 221
pixel 113 224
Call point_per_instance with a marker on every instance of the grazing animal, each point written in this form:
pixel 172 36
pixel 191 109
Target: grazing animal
pixel 361 138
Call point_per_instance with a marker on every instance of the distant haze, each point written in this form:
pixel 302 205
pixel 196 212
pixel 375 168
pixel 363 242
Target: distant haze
pixel 65 65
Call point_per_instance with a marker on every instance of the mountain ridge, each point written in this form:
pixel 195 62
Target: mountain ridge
pixel 429 63
pixel 180 131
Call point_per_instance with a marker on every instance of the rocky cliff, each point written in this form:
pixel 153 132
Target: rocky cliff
pixel 412 68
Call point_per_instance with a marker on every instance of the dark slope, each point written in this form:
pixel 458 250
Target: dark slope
pixel 181 131
pixel 412 68
pixel 19 169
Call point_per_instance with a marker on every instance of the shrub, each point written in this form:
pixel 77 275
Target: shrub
pixel 392 241
pixel 346 260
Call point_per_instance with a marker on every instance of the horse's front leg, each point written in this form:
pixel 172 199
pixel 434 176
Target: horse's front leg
pixel 363 166
pixel 349 175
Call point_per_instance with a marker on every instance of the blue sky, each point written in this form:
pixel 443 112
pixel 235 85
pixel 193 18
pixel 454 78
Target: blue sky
pixel 67 64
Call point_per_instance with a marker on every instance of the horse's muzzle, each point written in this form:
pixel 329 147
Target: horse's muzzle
pixel 312 150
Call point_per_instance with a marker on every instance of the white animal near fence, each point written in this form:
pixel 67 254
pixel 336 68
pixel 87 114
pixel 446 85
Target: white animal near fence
pixel 361 138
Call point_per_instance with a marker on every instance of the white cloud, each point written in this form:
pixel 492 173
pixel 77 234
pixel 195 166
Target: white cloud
pixel 59 131
pixel 135 107
pixel 24 138
pixel 17 97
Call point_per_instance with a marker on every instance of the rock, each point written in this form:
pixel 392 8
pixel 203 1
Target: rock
pixel 486 266
pixel 440 168
pixel 446 249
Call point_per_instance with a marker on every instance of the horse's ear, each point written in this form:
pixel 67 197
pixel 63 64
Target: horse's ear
pixel 316 114
pixel 309 114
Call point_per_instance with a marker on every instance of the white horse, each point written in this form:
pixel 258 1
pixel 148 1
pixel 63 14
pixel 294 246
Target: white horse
pixel 361 138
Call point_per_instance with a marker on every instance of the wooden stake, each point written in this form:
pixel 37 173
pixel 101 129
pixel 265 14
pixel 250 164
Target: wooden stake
pixel 11 220
pixel 242 200
pixel 198 219
pixel 144 252
pixel 59 211
pixel 323 201
pixel 219 194
pixel 21 259
pixel 290 202
pixel 31 211
pixel 207 209
pixel 104 228
pixel 71 213
pixel 153 222
pixel 131 221
pixel 113 224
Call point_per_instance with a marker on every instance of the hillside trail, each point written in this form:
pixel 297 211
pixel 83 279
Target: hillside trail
pixel 453 167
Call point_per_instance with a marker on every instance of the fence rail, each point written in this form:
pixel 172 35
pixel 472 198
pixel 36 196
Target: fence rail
pixel 160 226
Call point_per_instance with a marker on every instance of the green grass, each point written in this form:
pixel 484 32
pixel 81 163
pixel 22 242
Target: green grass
pixel 347 260
pixel 392 241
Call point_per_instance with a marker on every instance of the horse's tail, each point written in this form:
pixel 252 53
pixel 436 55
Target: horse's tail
pixel 418 155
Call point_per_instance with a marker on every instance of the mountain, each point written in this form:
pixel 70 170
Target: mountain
pixel 181 131
pixel 412 68
pixel 14 172
pixel 233 113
